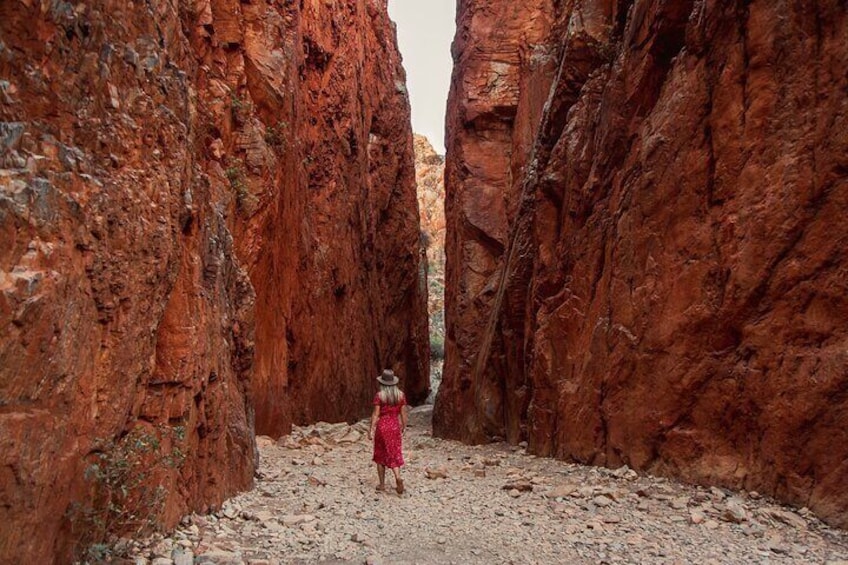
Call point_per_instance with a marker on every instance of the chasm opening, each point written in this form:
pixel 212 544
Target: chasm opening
pixel 424 33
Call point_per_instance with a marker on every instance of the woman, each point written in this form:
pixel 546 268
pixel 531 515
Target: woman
pixel 388 423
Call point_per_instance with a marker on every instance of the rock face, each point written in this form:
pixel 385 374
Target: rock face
pixel 334 250
pixel 205 213
pixel 430 179
pixel 645 251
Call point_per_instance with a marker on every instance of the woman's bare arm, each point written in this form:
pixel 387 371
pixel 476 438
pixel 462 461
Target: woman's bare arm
pixel 404 417
pixel 375 415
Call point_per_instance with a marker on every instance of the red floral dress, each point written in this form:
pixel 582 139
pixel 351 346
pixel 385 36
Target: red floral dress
pixel 387 438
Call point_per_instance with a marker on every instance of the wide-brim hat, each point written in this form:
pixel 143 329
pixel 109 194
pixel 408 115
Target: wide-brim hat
pixel 388 378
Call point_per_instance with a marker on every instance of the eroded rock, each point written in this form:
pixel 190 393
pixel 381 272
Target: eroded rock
pixel 645 251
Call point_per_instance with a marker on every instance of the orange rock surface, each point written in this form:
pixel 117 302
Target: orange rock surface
pixel 207 226
pixel 430 179
pixel 646 252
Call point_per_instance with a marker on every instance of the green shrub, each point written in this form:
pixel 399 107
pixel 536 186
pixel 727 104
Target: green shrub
pixel 275 135
pixel 122 499
pixel 241 108
pixel 437 348
pixel 245 200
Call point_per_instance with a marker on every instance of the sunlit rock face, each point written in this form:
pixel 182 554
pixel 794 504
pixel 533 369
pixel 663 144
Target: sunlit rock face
pixel 430 180
pixel 645 246
pixel 208 226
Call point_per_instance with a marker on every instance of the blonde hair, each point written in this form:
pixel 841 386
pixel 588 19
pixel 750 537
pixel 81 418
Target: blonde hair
pixel 390 394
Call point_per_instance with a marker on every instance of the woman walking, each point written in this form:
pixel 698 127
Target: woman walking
pixel 388 423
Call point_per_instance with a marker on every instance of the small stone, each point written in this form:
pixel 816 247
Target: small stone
pixel 521 486
pixel 514 493
pixel 561 491
pixel 437 473
pixel 717 493
pixel 789 518
pixel 734 511
pixel 680 503
pixel 295 519
pixel 696 517
pixel 273 527
pixel 602 501
pixel 352 436
pixel 182 556
pixel 753 529
pixel 779 548
pixel 114 97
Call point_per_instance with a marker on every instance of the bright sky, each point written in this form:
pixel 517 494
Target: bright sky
pixel 425 30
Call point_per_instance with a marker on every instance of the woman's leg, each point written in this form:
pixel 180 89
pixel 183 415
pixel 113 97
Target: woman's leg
pixel 381 475
pixel 398 480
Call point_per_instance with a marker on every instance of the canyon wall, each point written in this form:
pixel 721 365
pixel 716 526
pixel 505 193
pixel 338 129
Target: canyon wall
pixel 646 257
pixel 207 219
pixel 334 249
pixel 430 180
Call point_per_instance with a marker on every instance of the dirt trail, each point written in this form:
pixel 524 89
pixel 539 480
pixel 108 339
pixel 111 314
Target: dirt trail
pixel 315 502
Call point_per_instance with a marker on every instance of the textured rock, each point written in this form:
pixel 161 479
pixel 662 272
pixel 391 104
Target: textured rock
pixel 430 179
pixel 156 166
pixel 665 284
pixel 334 252
pixel 429 175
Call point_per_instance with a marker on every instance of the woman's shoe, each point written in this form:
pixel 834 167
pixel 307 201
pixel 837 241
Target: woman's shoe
pixel 400 486
pixel 380 488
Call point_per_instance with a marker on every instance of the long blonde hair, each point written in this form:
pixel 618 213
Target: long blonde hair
pixel 390 394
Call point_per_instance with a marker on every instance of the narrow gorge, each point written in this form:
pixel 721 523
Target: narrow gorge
pixel 216 224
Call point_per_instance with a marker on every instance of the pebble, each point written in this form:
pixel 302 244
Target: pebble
pixel 315 502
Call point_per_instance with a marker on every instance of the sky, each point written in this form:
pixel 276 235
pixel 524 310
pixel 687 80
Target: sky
pixel 425 30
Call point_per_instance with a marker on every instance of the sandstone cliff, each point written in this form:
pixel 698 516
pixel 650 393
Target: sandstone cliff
pixel 645 249
pixel 429 176
pixel 205 207
pixel 430 179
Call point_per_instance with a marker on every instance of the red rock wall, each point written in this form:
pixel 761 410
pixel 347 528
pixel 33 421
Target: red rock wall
pixel 667 285
pixel 359 286
pixel 205 210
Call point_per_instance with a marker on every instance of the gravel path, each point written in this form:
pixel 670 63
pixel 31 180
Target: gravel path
pixel 315 502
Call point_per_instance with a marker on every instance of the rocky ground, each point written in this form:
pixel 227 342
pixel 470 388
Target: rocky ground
pixel 315 502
